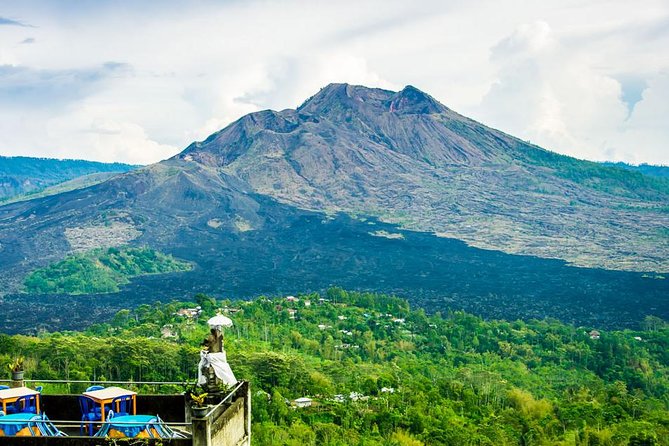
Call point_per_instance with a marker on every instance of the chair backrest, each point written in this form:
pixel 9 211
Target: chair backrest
pixel 92 388
pixel 39 389
pixel 4 387
pixel 122 404
pixel 86 404
pixel 27 404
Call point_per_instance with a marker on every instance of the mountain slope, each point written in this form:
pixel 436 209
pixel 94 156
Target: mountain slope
pixel 407 159
pixel 24 177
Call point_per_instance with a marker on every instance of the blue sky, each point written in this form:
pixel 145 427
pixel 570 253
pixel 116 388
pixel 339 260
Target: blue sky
pixel 138 81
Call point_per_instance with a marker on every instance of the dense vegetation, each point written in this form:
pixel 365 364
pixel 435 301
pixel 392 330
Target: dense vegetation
pixel 100 271
pixel 383 374
pixel 24 175
pixel 613 179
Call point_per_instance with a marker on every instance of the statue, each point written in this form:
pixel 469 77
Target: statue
pixel 213 343
pixel 214 370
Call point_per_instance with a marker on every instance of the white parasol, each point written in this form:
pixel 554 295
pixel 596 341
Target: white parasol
pixel 220 321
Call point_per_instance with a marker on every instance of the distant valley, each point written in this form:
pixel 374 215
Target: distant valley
pixel 368 189
pixel 23 178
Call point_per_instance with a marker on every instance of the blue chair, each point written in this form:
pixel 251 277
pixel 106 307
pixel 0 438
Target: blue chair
pixel 39 389
pixel 90 413
pixel 122 405
pixel 92 388
pixel 4 387
pixel 47 428
pixel 25 404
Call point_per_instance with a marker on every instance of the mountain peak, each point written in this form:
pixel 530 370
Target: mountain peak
pixel 411 100
pixel 337 96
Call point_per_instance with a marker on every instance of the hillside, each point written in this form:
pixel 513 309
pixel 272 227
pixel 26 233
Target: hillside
pixel 368 189
pixel 381 373
pixel 24 177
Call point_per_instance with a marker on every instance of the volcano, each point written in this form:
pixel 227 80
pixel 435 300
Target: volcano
pixel 369 189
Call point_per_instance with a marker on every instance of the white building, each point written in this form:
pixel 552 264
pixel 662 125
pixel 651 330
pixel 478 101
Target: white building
pixel 303 402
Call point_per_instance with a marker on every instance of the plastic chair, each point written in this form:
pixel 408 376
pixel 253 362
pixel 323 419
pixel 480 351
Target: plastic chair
pixel 89 414
pixel 92 388
pixel 48 429
pixel 24 404
pixel 39 389
pixel 4 387
pixel 122 405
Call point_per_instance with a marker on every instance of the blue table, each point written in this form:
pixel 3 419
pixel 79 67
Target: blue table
pixel 28 425
pixel 137 426
pixel 131 426
pixel 12 424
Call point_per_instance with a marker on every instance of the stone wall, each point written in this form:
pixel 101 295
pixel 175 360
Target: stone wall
pixel 229 424
pixel 229 428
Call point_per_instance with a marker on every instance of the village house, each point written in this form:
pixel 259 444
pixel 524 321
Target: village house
pixel 167 332
pixel 189 313
pixel 303 402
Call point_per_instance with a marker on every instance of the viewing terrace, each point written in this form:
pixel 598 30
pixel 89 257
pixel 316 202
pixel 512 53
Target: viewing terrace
pixel 82 413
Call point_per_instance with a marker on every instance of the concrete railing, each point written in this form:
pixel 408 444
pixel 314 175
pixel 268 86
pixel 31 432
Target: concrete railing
pixel 226 423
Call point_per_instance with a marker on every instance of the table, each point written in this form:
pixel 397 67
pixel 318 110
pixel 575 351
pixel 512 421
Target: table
pixel 9 396
pixel 132 426
pixel 18 425
pixel 106 395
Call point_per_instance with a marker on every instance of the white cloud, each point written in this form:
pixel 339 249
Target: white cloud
pixel 103 139
pixel 554 96
pixel 553 72
pixel 646 133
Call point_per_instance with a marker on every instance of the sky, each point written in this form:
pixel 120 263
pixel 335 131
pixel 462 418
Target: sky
pixel 137 81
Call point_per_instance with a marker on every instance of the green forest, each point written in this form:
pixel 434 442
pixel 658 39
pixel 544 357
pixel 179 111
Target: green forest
pixel 100 271
pixel 381 373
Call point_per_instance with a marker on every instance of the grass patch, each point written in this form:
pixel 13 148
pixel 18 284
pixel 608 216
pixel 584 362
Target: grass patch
pixel 100 271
